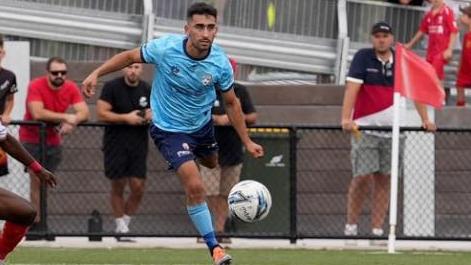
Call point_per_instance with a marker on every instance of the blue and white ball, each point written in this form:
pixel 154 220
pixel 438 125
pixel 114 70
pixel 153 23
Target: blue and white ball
pixel 249 201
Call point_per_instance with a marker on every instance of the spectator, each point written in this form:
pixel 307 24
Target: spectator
pixel 47 100
pixel 219 180
pixel 407 2
pixel 368 102
pixel 464 72
pixel 440 25
pixel 8 88
pixel 125 100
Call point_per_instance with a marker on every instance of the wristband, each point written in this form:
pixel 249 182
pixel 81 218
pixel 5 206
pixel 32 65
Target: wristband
pixel 35 167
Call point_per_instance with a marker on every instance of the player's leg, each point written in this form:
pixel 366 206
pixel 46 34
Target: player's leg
pixel 178 150
pixel 364 155
pixel 460 97
pixel 19 215
pixel 380 202
pixel 137 169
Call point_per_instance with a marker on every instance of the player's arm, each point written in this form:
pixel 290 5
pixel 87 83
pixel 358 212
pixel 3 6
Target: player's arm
pixel 236 117
pixel 351 92
pixel 426 123
pixel 417 37
pixel 39 113
pixel 17 151
pixel 105 113
pixel 117 62
pixel 449 51
pixel 6 116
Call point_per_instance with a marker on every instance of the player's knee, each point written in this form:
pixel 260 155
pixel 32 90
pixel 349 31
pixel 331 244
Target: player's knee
pixel 195 193
pixel 27 215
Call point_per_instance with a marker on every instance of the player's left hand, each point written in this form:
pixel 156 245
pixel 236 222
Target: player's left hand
pixel 47 177
pixel 89 85
pixel 429 126
pixel 254 149
pixel 447 54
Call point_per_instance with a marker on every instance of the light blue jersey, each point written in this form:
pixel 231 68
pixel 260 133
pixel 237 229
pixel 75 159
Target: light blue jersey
pixel 183 90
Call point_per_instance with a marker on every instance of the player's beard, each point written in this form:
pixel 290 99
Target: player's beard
pixel 57 81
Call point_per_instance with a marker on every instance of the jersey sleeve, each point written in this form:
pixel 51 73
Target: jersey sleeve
pixel 357 72
pixel 424 25
pixel 14 86
pixel 33 94
pixel 226 80
pixel 76 96
pixel 451 22
pixel 153 50
pixel 245 100
pixel 107 93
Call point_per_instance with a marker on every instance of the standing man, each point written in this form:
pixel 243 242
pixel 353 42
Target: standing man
pixel 47 100
pixel 368 101
pixel 440 26
pixel 219 180
pixel 189 69
pixel 125 101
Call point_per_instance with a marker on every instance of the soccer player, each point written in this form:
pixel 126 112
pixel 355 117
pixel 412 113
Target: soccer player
pixel 188 70
pixel 18 213
pixel 440 26
pixel 464 72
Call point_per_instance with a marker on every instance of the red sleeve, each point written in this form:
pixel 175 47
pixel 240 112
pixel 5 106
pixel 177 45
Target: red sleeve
pixel 76 96
pixel 424 24
pixel 450 21
pixel 33 93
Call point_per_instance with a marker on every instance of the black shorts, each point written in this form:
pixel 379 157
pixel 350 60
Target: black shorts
pixel 53 155
pixel 121 161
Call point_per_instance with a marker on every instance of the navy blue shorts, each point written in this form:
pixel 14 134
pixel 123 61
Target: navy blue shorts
pixel 178 148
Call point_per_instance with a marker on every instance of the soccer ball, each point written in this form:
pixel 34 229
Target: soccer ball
pixel 249 201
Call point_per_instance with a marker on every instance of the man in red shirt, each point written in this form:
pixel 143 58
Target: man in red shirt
pixel 464 72
pixel 48 99
pixel 440 26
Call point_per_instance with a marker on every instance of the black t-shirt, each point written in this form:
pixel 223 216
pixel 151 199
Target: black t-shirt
pixel 7 86
pixel 230 145
pixel 124 99
pixel 412 3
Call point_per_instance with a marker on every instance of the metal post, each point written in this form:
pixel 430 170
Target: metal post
pixel 148 21
pixel 293 185
pixel 43 187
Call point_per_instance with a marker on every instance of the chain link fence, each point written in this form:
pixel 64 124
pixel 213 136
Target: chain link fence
pixel 307 169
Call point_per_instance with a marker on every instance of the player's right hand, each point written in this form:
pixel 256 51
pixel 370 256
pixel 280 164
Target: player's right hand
pixel 47 177
pixel 134 118
pixel 89 85
pixel 349 125
pixel 254 149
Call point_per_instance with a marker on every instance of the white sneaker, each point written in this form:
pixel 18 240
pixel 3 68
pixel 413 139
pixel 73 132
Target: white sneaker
pixel 377 232
pixel 121 226
pixel 2 262
pixel 351 230
pixel 127 219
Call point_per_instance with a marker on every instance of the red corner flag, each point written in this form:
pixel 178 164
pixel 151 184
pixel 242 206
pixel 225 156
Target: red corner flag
pixel 416 79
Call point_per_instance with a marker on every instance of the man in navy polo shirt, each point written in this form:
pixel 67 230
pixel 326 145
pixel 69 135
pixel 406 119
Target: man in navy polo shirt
pixel 368 101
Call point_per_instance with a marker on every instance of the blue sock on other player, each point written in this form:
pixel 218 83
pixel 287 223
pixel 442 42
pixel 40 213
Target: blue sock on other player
pixel 201 218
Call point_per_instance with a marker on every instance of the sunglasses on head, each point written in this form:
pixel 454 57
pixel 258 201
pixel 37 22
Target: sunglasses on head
pixel 64 72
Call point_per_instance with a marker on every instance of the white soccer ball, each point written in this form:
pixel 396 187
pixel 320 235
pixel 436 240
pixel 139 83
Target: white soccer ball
pixel 249 201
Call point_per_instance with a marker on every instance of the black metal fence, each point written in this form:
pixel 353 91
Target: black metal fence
pixel 307 169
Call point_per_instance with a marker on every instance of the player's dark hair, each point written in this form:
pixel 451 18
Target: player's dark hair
pixel 201 8
pixel 54 60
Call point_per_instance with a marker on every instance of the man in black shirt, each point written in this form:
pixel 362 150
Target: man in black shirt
pixel 219 181
pixel 124 102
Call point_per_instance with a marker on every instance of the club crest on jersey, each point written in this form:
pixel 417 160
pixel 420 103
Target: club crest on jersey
pixel 175 70
pixel 206 79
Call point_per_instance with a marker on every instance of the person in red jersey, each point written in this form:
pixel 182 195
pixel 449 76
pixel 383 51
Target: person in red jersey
pixel 440 26
pixel 48 99
pixel 464 72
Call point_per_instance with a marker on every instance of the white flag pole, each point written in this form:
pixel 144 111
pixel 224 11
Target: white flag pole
pixel 394 174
